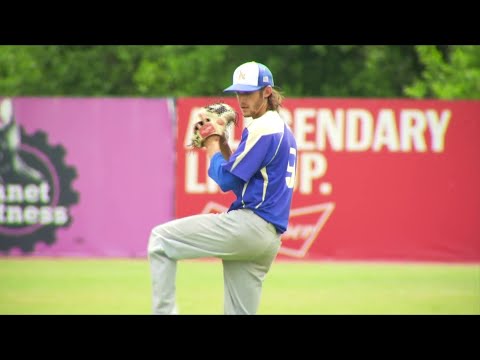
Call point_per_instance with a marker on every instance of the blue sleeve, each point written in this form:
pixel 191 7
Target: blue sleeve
pixel 225 179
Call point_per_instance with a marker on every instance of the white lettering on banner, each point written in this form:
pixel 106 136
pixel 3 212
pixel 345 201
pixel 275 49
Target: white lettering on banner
pixel 313 165
pixel 60 214
pixel 29 215
pixel 303 128
pixel 438 128
pixel 356 130
pixel 318 129
pixel 359 130
pixel 386 133
pixel 192 185
pixel 16 193
pixel 412 126
pixel 332 127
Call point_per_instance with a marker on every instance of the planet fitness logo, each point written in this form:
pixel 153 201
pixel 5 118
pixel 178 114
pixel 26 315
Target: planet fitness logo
pixel 35 186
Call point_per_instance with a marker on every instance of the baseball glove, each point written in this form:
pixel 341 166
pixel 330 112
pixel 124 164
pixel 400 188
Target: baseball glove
pixel 215 119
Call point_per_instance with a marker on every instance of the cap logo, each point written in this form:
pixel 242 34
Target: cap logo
pixel 241 76
pixel 265 79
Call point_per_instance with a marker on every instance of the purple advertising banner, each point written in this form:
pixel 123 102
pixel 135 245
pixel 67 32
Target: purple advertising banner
pixel 84 176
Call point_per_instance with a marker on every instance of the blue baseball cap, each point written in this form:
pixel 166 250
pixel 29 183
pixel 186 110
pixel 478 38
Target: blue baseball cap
pixel 251 76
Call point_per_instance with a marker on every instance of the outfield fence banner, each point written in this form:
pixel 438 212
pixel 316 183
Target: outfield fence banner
pixel 377 179
pixel 84 176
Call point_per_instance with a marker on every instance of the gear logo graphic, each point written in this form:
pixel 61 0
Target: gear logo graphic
pixel 35 186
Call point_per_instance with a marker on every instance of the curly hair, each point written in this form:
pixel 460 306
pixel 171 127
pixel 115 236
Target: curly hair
pixel 275 100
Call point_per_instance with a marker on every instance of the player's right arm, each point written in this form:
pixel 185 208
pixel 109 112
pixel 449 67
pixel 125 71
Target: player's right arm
pixel 225 179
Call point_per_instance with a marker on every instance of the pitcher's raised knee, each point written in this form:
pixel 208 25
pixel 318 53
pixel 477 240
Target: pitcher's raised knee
pixel 154 241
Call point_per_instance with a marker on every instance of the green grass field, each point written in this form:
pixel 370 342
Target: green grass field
pixel 122 286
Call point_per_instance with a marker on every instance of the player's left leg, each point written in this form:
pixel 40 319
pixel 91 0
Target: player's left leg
pixel 238 235
pixel 243 281
pixel 163 271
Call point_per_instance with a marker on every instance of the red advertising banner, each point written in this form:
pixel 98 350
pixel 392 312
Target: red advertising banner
pixel 377 179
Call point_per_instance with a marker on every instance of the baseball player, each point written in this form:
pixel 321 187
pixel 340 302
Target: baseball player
pixel 261 173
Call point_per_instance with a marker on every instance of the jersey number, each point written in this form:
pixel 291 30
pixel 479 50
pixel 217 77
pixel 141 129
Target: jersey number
pixel 291 168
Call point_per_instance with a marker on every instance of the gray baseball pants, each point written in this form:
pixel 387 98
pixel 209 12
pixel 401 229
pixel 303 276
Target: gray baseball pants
pixel 245 242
